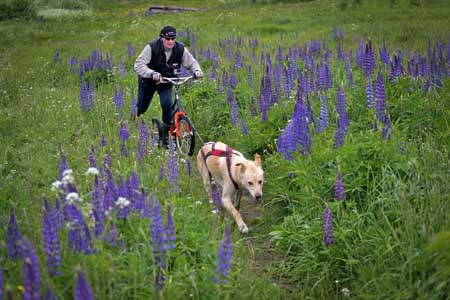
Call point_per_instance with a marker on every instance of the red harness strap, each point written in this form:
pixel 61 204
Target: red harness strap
pixel 227 153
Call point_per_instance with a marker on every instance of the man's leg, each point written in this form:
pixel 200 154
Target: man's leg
pixel 146 90
pixel 165 98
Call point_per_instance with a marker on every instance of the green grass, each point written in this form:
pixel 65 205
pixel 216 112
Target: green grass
pixel 391 232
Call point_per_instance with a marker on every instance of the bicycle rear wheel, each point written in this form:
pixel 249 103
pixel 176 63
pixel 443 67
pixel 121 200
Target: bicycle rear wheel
pixel 186 140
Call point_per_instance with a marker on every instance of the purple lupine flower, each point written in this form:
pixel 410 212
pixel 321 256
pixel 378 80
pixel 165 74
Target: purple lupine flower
pixel 188 166
pixel 158 241
pixel 83 290
pixel 51 239
pixel 85 98
pixel 56 56
pixel 92 158
pixel 49 293
pixel 124 134
pixel 224 256
pixel 131 51
pixel 369 60
pixel 162 171
pixel 141 149
pixel 172 167
pixel 234 113
pixel 122 68
pixel 369 93
pixel 119 99
pixel 216 198
pixel 339 191
pixel 384 55
pixel 300 125
pixel 323 118
pixel 342 119
pixel 380 99
pixel 112 235
pixel 97 203
pixel 348 73
pixel 386 131
pixel 287 142
pixel 327 227
pixel 169 231
pixel 122 202
pixel 13 237
pixel 103 141
pixel 244 128
pixel 31 274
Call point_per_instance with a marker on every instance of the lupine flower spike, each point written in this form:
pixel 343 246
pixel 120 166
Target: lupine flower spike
pixel 339 192
pixel 13 237
pixel 327 227
pixel 83 290
pixel 224 257
pixel 31 275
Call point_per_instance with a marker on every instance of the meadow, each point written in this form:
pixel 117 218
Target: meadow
pixel 346 101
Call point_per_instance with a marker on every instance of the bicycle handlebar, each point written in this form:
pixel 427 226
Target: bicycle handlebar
pixel 176 80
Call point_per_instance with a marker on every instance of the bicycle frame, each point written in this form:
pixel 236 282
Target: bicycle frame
pixel 177 106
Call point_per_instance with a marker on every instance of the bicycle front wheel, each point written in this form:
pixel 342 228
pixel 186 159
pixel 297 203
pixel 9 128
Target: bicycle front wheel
pixel 186 139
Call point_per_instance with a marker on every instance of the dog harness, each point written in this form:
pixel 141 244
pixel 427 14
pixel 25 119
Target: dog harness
pixel 227 153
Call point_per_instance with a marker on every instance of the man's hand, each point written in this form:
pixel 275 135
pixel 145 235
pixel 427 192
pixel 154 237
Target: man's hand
pixel 156 76
pixel 198 74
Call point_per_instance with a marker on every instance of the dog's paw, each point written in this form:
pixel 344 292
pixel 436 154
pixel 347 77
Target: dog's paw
pixel 243 228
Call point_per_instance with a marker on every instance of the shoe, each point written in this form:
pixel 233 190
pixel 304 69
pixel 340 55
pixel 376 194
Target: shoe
pixel 165 135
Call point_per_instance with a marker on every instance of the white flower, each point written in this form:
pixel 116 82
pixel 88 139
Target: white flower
pixel 345 292
pixel 72 197
pixel 56 186
pixel 122 202
pixel 67 176
pixel 215 211
pixel 198 202
pixel 92 171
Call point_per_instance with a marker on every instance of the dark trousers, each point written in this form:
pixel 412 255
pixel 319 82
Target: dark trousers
pixel 146 90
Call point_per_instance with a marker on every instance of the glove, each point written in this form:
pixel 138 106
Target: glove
pixel 156 76
pixel 198 74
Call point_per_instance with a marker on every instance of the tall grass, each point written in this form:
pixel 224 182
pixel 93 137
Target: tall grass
pixel 391 232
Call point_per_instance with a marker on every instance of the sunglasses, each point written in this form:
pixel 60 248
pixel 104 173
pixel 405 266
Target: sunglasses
pixel 170 38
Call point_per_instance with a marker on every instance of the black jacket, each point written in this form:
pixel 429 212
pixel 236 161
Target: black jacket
pixel 158 61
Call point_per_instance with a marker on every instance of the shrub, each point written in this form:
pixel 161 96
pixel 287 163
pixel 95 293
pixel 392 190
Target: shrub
pixel 17 9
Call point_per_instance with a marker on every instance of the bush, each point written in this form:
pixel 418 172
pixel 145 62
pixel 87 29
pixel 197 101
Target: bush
pixel 17 9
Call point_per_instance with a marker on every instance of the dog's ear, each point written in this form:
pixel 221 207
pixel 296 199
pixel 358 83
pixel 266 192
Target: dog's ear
pixel 258 162
pixel 242 167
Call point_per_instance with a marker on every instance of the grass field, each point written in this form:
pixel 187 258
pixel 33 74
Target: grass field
pixel 347 102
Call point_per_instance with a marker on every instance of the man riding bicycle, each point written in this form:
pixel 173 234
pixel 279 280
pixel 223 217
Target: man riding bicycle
pixel 162 57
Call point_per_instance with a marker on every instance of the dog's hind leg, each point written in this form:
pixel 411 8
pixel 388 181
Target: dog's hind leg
pixel 203 170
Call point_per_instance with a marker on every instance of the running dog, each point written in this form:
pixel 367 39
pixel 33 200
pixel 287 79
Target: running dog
pixel 233 172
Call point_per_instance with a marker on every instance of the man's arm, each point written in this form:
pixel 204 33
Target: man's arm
pixel 189 62
pixel 140 65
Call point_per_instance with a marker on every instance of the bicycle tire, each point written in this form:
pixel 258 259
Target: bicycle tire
pixel 186 140
pixel 156 132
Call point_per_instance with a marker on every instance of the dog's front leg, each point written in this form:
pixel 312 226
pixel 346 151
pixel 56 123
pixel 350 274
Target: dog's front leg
pixel 227 203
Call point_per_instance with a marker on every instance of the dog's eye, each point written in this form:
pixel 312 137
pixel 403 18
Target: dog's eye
pixel 250 183
pixel 260 182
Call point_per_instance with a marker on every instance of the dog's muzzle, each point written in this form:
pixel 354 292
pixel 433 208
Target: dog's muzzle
pixel 258 197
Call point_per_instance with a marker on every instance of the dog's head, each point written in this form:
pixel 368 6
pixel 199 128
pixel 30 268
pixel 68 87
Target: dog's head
pixel 252 177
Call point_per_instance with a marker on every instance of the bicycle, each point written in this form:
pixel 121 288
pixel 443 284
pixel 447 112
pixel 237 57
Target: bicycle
pixel 181 129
